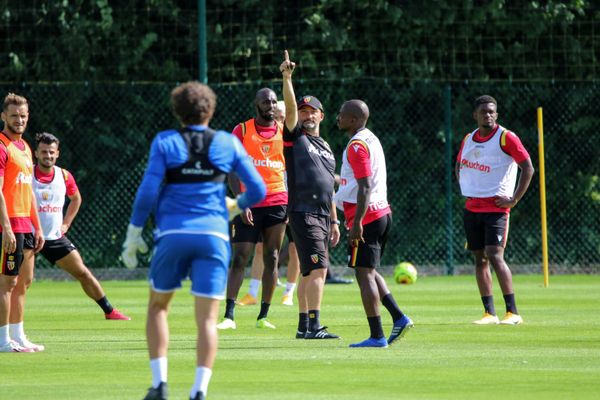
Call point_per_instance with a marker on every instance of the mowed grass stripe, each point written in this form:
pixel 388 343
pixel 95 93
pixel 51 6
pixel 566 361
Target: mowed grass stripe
pixel 554 355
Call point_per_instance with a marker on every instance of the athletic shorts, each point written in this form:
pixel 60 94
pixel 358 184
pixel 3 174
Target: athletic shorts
pixel 264 217
pixel 202 258
pixel 485 229
pixel 54 250
pixel 311 236
pixel 11 262
pixel 368 253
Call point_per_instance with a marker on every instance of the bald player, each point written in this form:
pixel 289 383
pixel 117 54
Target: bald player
pixel 362 196
pixel 261 136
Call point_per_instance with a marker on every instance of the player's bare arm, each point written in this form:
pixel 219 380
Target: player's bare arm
pixel 236 188
pixel 525 179
pixel 9 242
pixel 72 210
pixel 334 226
pixel 38 235
pixel 289 97
pixel 362 203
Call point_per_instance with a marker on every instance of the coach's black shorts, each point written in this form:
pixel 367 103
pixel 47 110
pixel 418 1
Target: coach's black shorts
pixel 264 217
pixel 11 262
pixel 368 253
pixel 54 250
pixel 311 236
pixel 485 229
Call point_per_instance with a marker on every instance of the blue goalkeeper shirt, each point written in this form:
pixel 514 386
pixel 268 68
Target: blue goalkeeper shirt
pixel 193 208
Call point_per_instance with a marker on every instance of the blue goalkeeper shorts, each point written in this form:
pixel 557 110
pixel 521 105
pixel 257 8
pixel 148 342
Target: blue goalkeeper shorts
pixel 202 258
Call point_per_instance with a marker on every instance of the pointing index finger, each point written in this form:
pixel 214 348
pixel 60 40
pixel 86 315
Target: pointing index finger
pixel 286 55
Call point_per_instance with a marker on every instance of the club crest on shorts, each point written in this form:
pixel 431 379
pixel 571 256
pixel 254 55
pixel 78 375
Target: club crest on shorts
pixel 10 263
pixel 314 258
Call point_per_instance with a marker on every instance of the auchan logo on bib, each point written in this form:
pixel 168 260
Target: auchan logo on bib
pixel 267 163
pixel 464 163
pixel 49 209
pixel 23 178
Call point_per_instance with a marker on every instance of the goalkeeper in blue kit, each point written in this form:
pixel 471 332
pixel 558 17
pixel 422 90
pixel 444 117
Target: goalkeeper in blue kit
pixel 184 187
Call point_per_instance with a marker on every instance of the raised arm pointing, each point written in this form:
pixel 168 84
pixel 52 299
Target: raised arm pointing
pixel 291 112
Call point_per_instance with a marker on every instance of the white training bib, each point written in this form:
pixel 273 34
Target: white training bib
pixel 485 169
pixel 348 190
pixel 50 198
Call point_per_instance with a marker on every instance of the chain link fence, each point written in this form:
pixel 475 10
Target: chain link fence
pixel 106 129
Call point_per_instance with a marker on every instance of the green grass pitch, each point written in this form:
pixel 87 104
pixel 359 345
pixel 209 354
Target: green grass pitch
pixel 554 355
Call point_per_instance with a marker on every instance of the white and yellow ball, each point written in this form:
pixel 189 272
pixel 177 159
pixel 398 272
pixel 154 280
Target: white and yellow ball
pixel 405 273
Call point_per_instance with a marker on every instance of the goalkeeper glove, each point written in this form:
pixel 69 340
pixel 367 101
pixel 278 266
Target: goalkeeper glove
pixel 133 243
pixel 232 207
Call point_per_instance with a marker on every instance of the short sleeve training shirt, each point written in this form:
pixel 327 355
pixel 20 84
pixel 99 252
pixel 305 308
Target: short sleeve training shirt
pixel 310 166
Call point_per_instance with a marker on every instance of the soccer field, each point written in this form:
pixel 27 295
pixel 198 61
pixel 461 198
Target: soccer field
pixel 554 355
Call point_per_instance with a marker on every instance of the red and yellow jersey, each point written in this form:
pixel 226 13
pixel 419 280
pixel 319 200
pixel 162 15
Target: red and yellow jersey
pixel 264 145
pixel 16 167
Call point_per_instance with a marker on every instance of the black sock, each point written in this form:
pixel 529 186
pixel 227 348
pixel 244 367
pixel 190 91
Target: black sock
pixel 488 304
pixel 264 310
pixel 313 320
pixel 105 305
pixel 229 306
pixel 302 322
pixel 389 303
pixel 511 305
pixel 375 326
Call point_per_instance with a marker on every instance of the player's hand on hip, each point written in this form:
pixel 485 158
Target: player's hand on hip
pixel 287 66
pixel 64 228
pixel 9 241
pixel 38 241
pixel 247 217
pixel 232 207
pixel 505 202
pixel 133 243
pixel 334 235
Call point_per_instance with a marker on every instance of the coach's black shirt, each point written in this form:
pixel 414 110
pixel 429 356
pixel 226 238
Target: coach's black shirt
pixel 310 167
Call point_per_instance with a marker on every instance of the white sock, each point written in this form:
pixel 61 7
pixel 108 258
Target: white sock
pixel 158 366
pixel 16 331
pixel 254 286
pixel 203 375
pixel 4 335
pixel 289 288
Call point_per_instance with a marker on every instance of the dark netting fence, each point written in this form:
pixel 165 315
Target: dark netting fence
pixel 106 129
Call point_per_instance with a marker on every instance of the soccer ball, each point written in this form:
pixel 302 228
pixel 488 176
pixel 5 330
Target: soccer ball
pixel 405 273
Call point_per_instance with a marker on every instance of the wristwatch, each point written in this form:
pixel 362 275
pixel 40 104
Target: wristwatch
pixel 335 221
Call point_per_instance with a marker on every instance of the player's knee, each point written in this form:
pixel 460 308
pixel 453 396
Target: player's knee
pixel 271 256
pixel 8 283
pixel 82 275
pixel 494 256
pixel 23 283
pixel 239 261
pixel 156 306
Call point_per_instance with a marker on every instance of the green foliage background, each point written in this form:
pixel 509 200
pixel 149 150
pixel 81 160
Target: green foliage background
pixel 156 40
pixel 98 75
